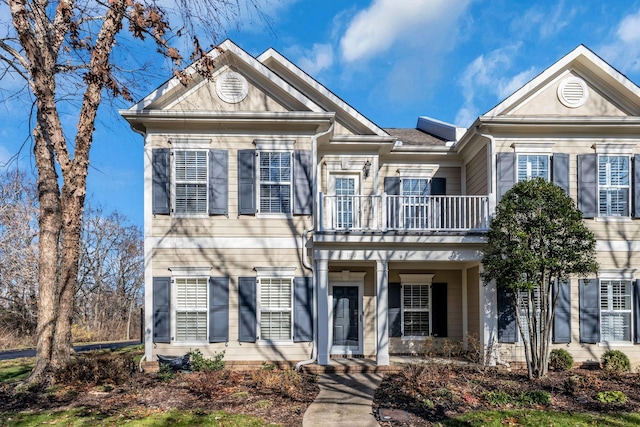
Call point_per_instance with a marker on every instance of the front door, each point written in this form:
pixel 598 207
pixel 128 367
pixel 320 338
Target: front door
pixel 346 320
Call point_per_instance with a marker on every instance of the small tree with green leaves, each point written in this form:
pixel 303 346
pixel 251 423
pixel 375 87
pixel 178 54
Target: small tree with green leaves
pixel 536 239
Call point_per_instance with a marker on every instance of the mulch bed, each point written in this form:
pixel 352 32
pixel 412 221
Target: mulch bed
pixel 434 392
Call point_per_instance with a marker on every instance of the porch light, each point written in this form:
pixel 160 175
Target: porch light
pixel 367 168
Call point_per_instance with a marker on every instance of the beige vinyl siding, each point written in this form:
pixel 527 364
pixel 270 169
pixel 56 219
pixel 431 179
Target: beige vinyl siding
pixel 473 301
pixel 453 279
pixel 233 263
pixel 476 174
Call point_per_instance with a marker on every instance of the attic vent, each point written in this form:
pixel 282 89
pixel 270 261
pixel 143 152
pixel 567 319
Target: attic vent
pixel 232 87
pixel 573 92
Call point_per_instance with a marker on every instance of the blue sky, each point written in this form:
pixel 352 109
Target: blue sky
pixel 392 60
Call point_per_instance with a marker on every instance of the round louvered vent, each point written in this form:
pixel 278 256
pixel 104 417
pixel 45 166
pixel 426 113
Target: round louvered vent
pixel 232 87
pixel 573 92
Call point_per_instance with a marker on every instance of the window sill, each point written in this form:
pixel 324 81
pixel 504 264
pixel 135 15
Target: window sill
pixel 613 219
pixel 184 215
pixel 616 344
pixel 415 337
pixel 189 343
pixel 273 216
pixel 274 343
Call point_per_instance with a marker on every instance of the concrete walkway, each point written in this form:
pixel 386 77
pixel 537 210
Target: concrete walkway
pixel 344 400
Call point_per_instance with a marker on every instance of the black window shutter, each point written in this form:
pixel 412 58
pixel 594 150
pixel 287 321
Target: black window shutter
pixel 161 179
pixel 438 186
pixel 247 309
pixel 303 309
pixel 560 162
pixel 394 309
pixel 506 172
pixel 302 179
pixel 562 316
pixel 162 309
pixel 636 186
pixel 589 310
pixel 246 182
pixel 218 309
pixel 218 182
pixel 636 308
pixel 587 185
pixel 392 188
pixel 439 309
pixel 507 322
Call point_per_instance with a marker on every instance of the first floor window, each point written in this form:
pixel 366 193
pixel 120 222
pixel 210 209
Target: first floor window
pixel 533 166
pixel 191 309
pixel 415 304
pixel 276 309
pixel 275 182
pixel 190 175
pixel 613 185
pixel 526 310
pixel 615 310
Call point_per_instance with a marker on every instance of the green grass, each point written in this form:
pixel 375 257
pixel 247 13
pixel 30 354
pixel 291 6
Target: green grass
pixel 144 418
pixel 16 369
pixel 542 418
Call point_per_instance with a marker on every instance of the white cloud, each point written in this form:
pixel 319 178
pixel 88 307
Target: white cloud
pixel 388 23
pixel 487 76
pixel 319 58
pixel 624 49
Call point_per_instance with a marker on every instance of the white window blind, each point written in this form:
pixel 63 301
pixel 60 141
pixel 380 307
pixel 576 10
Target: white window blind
pixel 614 185
pixel 615 310
pixel 190 169
pixel 533 166
pixel 415 305
pixel 275 182
pixel 191 309
pixel 275 309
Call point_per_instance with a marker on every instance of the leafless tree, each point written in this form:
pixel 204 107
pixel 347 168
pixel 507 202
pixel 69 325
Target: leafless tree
pixel 72 54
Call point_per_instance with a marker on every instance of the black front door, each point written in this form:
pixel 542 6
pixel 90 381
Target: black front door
pixel 345 318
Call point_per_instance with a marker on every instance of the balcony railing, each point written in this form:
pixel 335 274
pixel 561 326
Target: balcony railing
pixel 405 213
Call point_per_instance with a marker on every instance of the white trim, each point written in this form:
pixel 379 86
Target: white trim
pixel 347 164
pixel 347 276
pixel 526 147
pixel 190 271
pixel 275 272
pixel 232 98
pixel 416 279
pixel 615 148
pixel 274 144
pixel 616 273
pixel 187 143
pixel 618 245
pixel 562 96
pixel 422 171
pixel 191 242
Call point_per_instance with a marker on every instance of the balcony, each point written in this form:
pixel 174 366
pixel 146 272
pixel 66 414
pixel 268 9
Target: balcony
pixel 381 213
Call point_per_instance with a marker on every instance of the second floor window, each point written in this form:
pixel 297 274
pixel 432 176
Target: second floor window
pixel 415 202
pixel 190 171
pixel 274 182
pixel 613 185
pixel 533 166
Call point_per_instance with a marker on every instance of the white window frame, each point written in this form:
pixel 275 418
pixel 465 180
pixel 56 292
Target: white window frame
pixel 259 182
pixel 610 309
pixel 407 280
pixel 522 312
pixel 270 273
pixel 411 203
pixel 200 310
pixel 198 181
pixel 356 206
pixel 529 172
pixel 609 186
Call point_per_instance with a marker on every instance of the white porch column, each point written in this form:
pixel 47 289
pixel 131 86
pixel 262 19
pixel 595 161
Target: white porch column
pixel 322 275
pixel 465 309
pixel 382 315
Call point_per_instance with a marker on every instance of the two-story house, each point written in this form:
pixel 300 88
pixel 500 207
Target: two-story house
pixel 282 225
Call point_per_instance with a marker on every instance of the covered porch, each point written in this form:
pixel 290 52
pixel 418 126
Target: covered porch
pixel 375 303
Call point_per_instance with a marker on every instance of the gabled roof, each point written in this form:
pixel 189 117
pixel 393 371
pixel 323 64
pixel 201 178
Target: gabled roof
pixel 280 75
pixel 230 48
pixel 312 88
pixel 585 62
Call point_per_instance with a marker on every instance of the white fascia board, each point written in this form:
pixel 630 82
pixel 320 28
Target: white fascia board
pixel 315 85
pixel 580 55
pixel 224 47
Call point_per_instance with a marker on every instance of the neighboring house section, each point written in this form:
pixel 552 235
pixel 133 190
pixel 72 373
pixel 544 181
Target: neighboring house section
pixel 282 225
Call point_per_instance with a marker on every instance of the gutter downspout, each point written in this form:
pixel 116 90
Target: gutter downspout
pixel 493 186
pixel 305 261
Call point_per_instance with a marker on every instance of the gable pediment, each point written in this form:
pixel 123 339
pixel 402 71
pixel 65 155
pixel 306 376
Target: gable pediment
pixel 579 85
